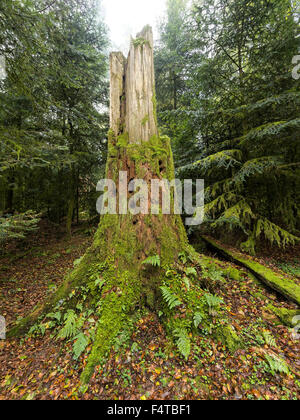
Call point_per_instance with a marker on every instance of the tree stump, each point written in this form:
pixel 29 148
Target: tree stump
pixel 112 277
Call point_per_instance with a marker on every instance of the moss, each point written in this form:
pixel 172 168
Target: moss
pixel 154 102
pixel 193 301
pixel 145 120
pixel 286 316
pixel 233 273
pixel 285 286
pixel 122 295
pixel 228 336
pixel 138 42
pixel 156 153
pixel 120 245
pixel 200 247
pixel 122 141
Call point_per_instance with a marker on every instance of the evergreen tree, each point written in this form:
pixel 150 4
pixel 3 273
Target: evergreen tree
pixel 53 118
pixel 242 109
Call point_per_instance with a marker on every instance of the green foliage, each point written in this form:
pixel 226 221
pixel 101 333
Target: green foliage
pixel 277 364
pixel 140 41
pixel 80 345
pixel 236 122
pixel 52 134
pixel 17 227
pixel 292 269
pixel 171 300
pixel 269 339
pixel 191 271
pixel 57 316
pixel 197 319
pixel 153 260
pixel 212 273
pixel 183 342
pixel 77 262
pixel 213 301
pixel 69 329
pixel 100 282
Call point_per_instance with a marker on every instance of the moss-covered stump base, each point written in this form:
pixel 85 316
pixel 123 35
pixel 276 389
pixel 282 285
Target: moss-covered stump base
pixel 108 294
pixel 283 285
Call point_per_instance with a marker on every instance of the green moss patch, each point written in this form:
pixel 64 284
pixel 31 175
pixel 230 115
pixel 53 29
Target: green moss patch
pixel 286 316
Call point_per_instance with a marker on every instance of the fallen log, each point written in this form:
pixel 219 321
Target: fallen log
pixel 283 285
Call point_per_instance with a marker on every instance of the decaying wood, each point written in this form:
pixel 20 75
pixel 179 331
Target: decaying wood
pixel 132 108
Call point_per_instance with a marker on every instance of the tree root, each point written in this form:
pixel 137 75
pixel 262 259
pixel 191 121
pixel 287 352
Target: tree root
pixel 115 289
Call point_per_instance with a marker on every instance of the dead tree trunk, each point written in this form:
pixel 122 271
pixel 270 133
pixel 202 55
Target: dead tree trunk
pixel 113 273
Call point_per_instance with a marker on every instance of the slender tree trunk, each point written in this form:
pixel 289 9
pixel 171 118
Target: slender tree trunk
pixel 10 194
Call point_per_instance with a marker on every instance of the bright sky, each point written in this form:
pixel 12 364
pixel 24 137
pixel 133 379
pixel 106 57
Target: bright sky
pixel 128 17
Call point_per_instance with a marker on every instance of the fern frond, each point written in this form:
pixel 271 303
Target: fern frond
pixel 69 329
pixel 190 271
pixel 171 300
pixel 80 345
pixel 197 319
pixel 213 301
pixel 269 339
pixel 277 364
pixel 153 260
pixel 183 342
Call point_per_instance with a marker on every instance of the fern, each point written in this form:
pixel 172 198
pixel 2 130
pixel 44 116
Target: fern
pixel 213 301
pixel 77 262
pixel 269 339
pixel 171 300
pixel 187 283
pixel 212 273
pixel 183 342
pixel 56 315
pixel 197 319
pixel 153 260
pixel 69 329
pixel 80 345
pixel 277 365
pixel 100 282
pixel 191 271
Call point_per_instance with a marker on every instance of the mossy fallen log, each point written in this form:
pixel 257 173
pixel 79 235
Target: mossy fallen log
pixel 283 285
pixel 286 316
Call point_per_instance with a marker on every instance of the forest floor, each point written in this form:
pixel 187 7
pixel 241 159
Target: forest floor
pixel 143 364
